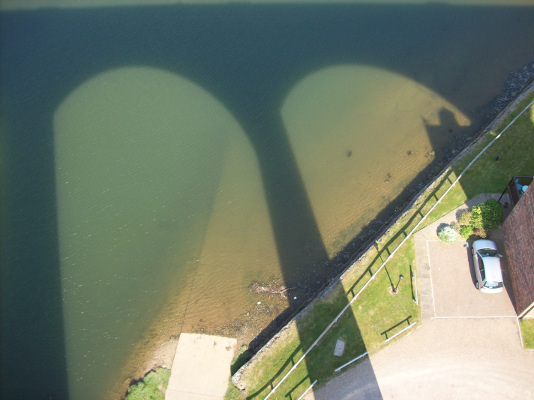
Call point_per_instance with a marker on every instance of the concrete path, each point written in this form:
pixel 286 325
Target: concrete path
pixel 448 273
pixel 445 359
pixel 201 367
pixel 467 347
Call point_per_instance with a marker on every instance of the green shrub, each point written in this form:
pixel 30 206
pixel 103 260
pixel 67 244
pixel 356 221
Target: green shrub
pixel 448 234
pixel 152 387
pixel 476 217
pixel 466 231
pixel 494 214
pixel 480 232
pixel 486 215
pixel 465 218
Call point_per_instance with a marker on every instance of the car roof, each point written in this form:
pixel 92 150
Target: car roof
pixel 492 267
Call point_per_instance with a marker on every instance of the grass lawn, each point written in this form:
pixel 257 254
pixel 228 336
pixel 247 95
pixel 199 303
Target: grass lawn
pixel 489 175
pixel 378 314
pixel 151 387
pixel 527 331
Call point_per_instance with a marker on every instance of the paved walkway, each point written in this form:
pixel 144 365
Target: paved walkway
pixel 467 346
pixel 201 367
pixel 446 280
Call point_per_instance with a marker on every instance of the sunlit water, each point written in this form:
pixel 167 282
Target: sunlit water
pixel 162 217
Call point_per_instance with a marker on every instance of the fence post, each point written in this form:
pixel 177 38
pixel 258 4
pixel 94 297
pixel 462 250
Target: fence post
pixel 398 333
pixel 415 287
pixel 307 390
pixel 350 362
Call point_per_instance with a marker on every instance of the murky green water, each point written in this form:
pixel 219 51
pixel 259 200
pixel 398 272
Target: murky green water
pixel 164 152
pixel 138 169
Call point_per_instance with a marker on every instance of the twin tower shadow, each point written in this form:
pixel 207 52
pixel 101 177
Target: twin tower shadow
pixel 249 57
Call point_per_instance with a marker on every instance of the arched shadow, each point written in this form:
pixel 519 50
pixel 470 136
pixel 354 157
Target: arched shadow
pixel 249 57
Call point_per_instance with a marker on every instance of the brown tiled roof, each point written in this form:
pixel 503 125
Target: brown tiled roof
pixel 518 230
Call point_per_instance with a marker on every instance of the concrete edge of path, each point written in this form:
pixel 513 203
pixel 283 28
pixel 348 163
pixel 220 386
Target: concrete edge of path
pixel 422 260
pixel 201 367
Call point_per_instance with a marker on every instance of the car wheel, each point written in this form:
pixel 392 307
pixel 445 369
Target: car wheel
pixel 477 286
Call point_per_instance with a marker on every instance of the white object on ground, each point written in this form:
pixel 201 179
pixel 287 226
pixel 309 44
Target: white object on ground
pixel 340 348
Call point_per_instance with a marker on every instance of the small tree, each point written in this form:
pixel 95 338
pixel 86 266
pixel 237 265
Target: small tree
pixel 466 231
pixel 480 232
pixel 447 233
pixel 465 218
pixel 480 219
pixel 486 215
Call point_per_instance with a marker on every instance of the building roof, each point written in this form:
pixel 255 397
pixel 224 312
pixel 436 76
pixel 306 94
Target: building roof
pixel 518 230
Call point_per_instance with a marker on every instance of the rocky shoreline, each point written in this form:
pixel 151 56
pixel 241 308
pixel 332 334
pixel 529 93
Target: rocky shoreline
pixel 518 85
pixel 497 119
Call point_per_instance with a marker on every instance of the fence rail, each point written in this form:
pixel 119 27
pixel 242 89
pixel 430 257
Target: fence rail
pixel 350 362
pixel 307 390
pixel 398 333
pixel 407 237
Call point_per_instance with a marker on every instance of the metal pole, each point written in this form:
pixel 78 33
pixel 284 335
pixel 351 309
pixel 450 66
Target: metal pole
pixel 505 190
pixel 302 395
pixel 392 254
pixel 398 333
pixel 415 287
pixel 350 362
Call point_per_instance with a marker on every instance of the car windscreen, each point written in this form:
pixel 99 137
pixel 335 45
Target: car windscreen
pixel 493 285
pixel 488 253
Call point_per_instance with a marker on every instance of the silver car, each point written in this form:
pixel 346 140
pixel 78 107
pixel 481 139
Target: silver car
pixel 487 263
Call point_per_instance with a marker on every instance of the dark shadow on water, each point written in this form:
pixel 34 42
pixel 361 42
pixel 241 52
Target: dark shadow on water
pixel 448 137
pixel 249 57
pixel 32 337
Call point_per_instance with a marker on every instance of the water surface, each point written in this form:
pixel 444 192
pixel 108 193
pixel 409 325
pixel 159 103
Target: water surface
pixel 158 160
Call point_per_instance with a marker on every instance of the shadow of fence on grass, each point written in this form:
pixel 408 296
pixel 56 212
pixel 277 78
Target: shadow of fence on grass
pixel 270 384
pixel 413 287
pixel 289 394
pixel 384 251
pixel 387 331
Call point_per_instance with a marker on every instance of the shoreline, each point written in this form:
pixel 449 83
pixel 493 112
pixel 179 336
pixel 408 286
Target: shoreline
pixel 161 352
pixel 361 255
pixel 137 333
pixel 158 351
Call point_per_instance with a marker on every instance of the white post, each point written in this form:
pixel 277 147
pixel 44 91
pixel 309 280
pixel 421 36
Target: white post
pixel 415 287
pixel 398 333
pixel 407 237
pixel 351 361
pixel 306 391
